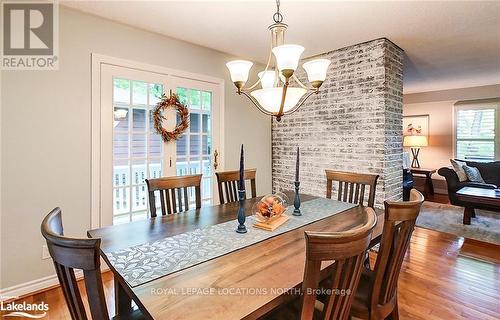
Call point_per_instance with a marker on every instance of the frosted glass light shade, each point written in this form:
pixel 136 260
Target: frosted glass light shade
pixel 415 141
pixel 267 78
pixel 270 98
pixel 239 70
pixel 316 69
pixel 288 56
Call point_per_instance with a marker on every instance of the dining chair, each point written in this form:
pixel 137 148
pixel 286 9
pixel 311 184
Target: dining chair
pixel 352 186
pixel 74 253
pixel 174 193
pixel 228 181
pixel 377 296
pixel 346 250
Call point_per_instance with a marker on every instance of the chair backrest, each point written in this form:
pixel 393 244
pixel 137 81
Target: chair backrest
pixel 228 182
pixel 174 193
pixel 352 186
pixel 399 222
pixel 348 250
pixel 69 254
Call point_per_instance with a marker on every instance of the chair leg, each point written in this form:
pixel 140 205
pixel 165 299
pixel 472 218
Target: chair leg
pixel 395 312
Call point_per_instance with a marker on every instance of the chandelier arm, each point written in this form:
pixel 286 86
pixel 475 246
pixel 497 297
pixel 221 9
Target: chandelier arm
pixel 267 67
pixel 256 103
pixel 301 102
pixel 301 84
pixel 283 97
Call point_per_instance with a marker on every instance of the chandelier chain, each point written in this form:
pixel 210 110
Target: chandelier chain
pixel 278 17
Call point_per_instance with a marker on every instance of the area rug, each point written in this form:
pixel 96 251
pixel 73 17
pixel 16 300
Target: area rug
pixel 448 218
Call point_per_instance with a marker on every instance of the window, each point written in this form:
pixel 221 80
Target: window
pixel 477 130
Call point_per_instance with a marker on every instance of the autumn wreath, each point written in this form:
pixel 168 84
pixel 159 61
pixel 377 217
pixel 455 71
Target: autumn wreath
pixel 182 111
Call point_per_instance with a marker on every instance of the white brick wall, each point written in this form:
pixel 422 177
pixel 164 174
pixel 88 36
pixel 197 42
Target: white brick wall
pixel 353 124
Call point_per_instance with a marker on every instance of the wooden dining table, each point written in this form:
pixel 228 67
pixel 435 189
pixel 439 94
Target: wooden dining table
pixel 243 284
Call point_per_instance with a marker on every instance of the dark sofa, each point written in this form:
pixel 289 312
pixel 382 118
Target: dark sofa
pixel 490 171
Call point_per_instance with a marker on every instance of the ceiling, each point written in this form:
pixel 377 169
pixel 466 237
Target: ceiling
pixel 447 44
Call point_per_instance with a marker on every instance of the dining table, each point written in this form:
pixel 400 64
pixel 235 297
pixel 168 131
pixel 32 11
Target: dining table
pixel 242 284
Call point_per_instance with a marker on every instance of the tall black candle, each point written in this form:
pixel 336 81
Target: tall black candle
pixel 297 166
pixel 241 182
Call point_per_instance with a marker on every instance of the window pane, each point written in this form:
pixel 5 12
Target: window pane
pixel 136 216
pixel 121 219
pixel 194 122
pixel 207 167
pixel 182 93
pixel 194 145
pixel 206 123
pixel 194 99
pixel 120 173
pixel 476 150
pixel 138 145
pixel 182 146
pixel 206 189
pixel 120 146
pixel 155 145
pixel 476 124
pixel 206 145
pixel 155 92
pixel 139 92
pixel 121 90
pixel 181 167
pixel 194 167
pixel 121 202
pixel 120 119
pixel 154 168
pixel 206 100
pixel 139 119
pixel 138 171
pixel 139 198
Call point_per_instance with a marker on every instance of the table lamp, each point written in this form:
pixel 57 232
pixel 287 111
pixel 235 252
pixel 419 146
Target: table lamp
pixel 415 143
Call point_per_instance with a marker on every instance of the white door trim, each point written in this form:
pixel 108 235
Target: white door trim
pixel 98 60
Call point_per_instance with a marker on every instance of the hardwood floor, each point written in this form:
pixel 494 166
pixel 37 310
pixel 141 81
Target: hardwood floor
pixel 443 277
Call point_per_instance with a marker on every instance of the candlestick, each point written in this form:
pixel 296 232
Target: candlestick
pixel 241 182
pixel 241 213
pixel 297 166
pixel 296 201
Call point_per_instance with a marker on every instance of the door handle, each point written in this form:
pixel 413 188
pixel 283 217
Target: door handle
pixel 216 159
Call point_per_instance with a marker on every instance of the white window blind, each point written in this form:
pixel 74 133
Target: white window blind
pixel 477 131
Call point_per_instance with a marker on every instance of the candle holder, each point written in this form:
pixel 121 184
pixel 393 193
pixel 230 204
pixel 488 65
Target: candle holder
pixel 241 213
pixel 296 201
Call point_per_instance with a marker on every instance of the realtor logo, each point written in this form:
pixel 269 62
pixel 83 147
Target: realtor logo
pixel 30 36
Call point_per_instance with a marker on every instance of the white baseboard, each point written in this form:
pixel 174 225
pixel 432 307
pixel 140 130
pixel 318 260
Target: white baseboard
pixel 38 285
pixel 32 286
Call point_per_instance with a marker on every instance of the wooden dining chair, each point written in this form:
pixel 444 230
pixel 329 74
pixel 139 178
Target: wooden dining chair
pixel 73 253
pixel 347 250
pixel 377 296
pixel 228 181
pixel 174 193
pixel 352 186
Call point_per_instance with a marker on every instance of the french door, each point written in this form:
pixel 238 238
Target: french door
pixel 132 151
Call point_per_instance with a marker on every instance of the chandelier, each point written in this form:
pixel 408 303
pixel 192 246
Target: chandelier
pixel 277 96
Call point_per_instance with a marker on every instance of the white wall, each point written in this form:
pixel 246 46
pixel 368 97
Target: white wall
pixel 45 132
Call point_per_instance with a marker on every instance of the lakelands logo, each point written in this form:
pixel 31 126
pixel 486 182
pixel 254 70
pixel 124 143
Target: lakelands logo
pixel 30 35
pixel 24 310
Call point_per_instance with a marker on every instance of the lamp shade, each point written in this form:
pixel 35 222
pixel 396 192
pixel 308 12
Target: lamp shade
pixel 415 141
pixel 267 79
pixel 270 98
pixel 239 70
pixel 288 56
pixel 316 69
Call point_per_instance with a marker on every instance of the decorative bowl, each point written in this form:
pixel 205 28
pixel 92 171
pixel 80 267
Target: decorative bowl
pixel 270 207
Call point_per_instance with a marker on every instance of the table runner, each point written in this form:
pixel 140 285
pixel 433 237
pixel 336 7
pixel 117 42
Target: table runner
pixel 151 260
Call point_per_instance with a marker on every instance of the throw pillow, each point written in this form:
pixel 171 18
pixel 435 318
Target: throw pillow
pixel 458 167
pixel 473 174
